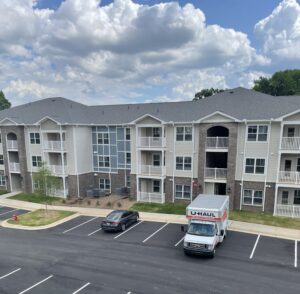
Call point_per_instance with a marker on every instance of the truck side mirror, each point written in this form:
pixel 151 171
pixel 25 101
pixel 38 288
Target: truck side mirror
pixel 222 232
pixel 182 228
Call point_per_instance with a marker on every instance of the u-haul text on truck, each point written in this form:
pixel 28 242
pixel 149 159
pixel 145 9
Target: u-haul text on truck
pixel 207 224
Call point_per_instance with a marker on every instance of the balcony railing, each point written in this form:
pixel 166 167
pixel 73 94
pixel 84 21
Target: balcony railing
pixel 12 144
pixel 152 142
pixel 290 143
pixel 151 197
pixel 60 192
pixel 215 173
pixel 57 169
pixel 287 210
pixel 217 142
pixel 14 166
pixel 289 177
pixel 54 145
pixel 151 170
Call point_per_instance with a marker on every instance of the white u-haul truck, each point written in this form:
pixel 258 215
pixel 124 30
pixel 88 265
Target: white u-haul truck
pixel 207 224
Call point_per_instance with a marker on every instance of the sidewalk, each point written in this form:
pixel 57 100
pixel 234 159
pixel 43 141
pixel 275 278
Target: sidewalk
pixel 251 228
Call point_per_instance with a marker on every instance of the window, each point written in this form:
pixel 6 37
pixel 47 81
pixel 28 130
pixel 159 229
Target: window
pixel 104 184
pixel 127 134
pixel 128 181
pixel 258 133
pixel 255 166
pixel 102 138
pixel 156 159
pixel 291 132
pixel 156 186
pixel 183 163
pixel 36 184
pixel 35 138
pixel 298 165
pixel 156 132
pixel 2 180
pixel 183 192
pixel 184 134
pixel 103 161
pixel 285 197
pixel 252 197
pixel 1 159
pixel 288 165
pixel 36 161
pixel 297 197
pixel 128 158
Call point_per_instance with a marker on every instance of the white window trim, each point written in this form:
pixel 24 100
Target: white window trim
pixel 182 192
pixel 34 132
pixel 99 166
pixel 98 133
pixel 252 198
pixel 105 183
pixel 125 139
pixel 184 141
pixel 37 161
pixel 153 186
pixel 256 141
pixel 2 180
pixel 152 163
pixel 254 173
pixel 184 170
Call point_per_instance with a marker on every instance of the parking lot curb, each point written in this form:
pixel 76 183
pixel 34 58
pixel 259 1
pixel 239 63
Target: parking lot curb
pixel 5 224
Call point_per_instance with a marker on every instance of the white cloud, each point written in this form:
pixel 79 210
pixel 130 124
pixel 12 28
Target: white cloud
pixel 104 54
pixel 280 31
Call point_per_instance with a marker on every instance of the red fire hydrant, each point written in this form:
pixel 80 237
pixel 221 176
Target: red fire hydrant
pixel 15 217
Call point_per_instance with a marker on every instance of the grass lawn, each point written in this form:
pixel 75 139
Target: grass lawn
pixel 30 197
pixel 171 208
pixel 243 216
pixel 40 217
pixel 3 192
pixel 265 219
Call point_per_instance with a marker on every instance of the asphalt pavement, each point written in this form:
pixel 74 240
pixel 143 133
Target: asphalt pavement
pixel 78 257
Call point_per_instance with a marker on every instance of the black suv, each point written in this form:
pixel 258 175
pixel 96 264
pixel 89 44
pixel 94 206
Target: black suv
pixel 119 220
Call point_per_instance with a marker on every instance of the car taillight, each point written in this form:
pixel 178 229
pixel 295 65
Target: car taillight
pixel 115 223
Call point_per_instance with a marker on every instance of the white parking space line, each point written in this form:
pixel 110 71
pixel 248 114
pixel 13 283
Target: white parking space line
pixel 296 253
pixel 9 211
pixel 127 230
pixel 254 247
pixel 69 230
pixel 179 241
pixel 84 286
pixel 26 290
pixel 10 273
pixel 92 233
pixel 155 233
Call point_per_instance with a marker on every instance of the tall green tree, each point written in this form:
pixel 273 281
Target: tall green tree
pixel 4 103
pixel 45 183
pixel 206 93
pixel 282 83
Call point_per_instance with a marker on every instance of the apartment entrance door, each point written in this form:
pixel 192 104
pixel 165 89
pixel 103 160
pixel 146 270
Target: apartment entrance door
pixel 220 189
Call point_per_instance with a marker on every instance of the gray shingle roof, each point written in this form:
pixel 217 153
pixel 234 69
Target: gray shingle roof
pixel 239 103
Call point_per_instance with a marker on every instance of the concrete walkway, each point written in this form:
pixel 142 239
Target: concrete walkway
pixel 251 228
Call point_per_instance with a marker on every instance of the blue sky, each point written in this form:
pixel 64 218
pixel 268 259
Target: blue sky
pixel 140 51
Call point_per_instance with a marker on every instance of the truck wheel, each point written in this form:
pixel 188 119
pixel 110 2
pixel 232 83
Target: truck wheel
pixel 225 234
pixel 213 253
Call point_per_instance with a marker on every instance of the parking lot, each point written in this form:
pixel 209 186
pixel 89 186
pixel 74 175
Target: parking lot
pixel 78 257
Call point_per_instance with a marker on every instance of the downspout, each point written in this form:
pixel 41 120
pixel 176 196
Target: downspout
pixel 267 165
pixel 243 165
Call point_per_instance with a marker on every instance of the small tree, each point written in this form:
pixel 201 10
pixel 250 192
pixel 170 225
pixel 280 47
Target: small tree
pixel 206 93
pixel 4 103
pixel 47 183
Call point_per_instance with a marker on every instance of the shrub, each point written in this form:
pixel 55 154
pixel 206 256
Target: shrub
pixel 63 201
pixel 119 204
pixel 98 203
pixel 89 202
pixel 108 204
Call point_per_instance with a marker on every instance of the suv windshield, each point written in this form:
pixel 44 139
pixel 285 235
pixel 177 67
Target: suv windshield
pixel 114 216
pixel 206 230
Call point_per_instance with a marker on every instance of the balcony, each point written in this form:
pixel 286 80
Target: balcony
pixel 151 142
pixel 215 173
pixel 14 167
pixel 289 177
pixel 151 170
pixel 287 210
pixel 151 197
pixel 57 169
pixel 217 142
pixel 12 144
pixel 54 145
pixel 290 143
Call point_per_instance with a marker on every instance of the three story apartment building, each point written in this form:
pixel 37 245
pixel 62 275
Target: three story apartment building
pixel 239 143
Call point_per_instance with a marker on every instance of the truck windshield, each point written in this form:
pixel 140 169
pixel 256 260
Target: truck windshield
pixel 206 230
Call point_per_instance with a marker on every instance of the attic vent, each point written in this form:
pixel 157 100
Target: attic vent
pixel 231 92
pixel 102 111
pixel 53 100
pixel 128 107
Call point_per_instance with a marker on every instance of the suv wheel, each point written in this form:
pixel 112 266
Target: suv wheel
pixel 123 227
